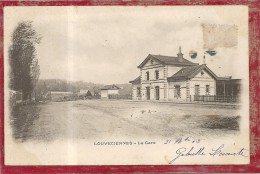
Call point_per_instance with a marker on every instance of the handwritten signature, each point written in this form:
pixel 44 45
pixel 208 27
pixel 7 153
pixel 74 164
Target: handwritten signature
pixel 201 151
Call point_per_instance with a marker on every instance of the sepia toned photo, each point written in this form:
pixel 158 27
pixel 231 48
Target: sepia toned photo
pixel 113 85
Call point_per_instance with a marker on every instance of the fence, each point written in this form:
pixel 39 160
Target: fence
pixel 117 96
pixel 216 98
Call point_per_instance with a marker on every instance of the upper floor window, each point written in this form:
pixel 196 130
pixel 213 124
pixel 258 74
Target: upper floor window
pixel 147 75
pixel 157 74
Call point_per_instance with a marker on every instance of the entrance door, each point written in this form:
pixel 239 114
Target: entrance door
pixel 157 93
pixel 148 93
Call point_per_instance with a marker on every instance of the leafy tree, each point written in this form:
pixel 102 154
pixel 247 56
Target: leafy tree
pixel 35 74
pixel 24 68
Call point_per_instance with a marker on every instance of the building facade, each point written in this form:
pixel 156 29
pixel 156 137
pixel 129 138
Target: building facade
pixel 172 79
pixel 110 92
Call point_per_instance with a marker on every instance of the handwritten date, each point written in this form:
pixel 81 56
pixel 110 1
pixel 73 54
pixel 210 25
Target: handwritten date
pixel 182 139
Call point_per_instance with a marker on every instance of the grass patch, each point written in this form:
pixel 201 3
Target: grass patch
pixel 186 116
pixel 229 123
pixel 213 116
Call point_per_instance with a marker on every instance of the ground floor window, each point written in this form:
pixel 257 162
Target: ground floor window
pixel 138 92
pixel 177 91
pixel 197 89
pixel 207 90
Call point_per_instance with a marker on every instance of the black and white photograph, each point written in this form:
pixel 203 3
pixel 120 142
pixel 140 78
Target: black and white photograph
pixel 133 85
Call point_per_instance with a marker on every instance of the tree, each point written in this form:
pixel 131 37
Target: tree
pixel 24 68
pixel 35 74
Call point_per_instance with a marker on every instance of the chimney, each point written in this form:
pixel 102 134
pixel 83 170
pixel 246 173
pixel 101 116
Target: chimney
pixel 180 55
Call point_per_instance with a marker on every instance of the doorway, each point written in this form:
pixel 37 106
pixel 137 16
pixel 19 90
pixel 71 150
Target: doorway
pixel 157 93
pixel 148 93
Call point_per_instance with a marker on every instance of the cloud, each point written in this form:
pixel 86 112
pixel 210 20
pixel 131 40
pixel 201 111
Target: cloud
pixel 106 44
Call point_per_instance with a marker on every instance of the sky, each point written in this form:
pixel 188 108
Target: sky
pixel 106 44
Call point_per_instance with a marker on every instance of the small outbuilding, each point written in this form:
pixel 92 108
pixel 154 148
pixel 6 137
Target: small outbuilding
pixel 110 92
pixel 228 89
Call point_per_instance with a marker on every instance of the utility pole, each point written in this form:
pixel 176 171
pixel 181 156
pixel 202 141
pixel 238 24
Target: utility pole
pixel 211 53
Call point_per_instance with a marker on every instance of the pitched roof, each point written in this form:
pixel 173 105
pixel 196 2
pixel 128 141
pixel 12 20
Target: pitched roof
pixel 224 78
pixel 110 87
pixel 136 80
pixel 190 72
pixel 167 60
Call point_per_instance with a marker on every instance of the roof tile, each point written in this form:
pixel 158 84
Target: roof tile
pixel 168 60
pixel 190 72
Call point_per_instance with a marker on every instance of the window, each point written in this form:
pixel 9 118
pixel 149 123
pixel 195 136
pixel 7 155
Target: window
pixel 147 75
pixel 157 74
pixel 177 91
pixel 138 92
pixel 197 89
pixel 207 90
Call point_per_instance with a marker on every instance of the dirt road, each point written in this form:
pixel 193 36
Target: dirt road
pixel 88 119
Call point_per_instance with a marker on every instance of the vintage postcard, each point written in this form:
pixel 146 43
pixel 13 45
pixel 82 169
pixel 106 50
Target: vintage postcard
pixel 133 85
